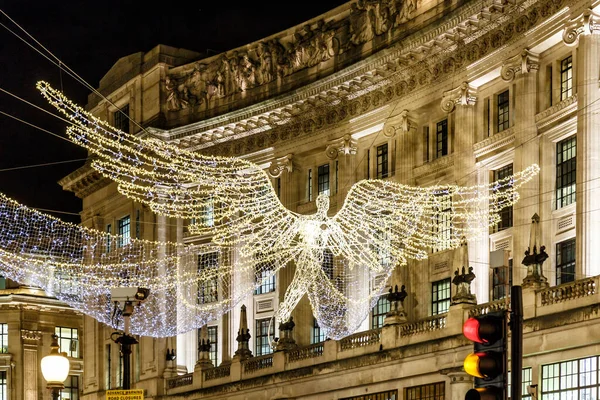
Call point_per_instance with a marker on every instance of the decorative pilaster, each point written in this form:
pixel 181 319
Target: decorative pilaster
pixel 524 62
pixel 243 338
pixel 403 125
pixel 535 255
pixel 344 145
pixel 31 340
pixel 583 31
pixel 464 95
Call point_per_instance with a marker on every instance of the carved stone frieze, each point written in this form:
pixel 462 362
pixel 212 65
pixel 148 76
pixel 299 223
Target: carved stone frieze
pixel 30 335
pixel 586 23
pixel 344 145
pixel 281 164
pixel 463 95
pixel 524 62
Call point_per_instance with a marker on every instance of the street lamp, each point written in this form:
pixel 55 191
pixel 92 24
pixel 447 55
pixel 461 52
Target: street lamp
pixel 55 368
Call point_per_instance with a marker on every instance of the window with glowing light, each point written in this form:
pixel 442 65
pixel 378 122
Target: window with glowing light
pixel 441 134
pixel 108 238
pixel 501 281
pixel 440 296
pixel 565 261
pixel 3 338
pixel 431 391
pixel 317 334
pixel 310 186
pixel 388 395
pixel 121 119
pixel 443 224
pixel 525 381
pixel 71 390
pixel 566 78
pixel 323 179
pixel 68 340
pixel 382 161
pixel 263 334
pixel 265 278
pixel 208 290
pixel 575 379
pixel 503 111
pixel 3 386
pixel 506 214
pixel 124 225
pixel 379 311
pixel 566 168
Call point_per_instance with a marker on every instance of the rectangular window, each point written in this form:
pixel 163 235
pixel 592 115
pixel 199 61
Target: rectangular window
pixel 121 119
pixel 68 340
pixel 503 113
pixel 137 224
pixel 265 279
pixel 108 368
pixel 432 391
pixel 3 386
pixel 441 138
pixel 382 161
pixel 279 188
pixel 119 377
pixel 565 261
pixel 502 281
pixel 388 395
pixel 566 163
pixel 318 335
pixel 426 143
pixel 566 78
pixel 263 334
pixel 310 184
pixel 525 381
pixel 576 379
pixel 208 288
pixel 379 311
pixel 443 223
pixel 213 337
pixel 323 180
pixel 71 390
pixel 337 174
pixel 506 214
pixel 124 231
pixel 2 282
pixel 3 338
pixel 440 296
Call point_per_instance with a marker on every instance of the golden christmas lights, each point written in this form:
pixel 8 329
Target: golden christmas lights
pixel 342 262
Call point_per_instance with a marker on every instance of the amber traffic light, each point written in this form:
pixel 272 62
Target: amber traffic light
pixel 488 361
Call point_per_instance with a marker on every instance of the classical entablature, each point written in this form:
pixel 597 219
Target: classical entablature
pixel 472 35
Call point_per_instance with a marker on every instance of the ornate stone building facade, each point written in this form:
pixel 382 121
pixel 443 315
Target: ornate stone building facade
pixel 418 92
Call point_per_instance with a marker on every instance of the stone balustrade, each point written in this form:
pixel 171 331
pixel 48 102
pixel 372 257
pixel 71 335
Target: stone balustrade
pixel 537 303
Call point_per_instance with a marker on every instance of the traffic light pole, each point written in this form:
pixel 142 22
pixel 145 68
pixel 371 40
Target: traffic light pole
pixel 516 343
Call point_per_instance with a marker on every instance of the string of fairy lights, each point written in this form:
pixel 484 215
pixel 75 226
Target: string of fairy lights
pixel 341 262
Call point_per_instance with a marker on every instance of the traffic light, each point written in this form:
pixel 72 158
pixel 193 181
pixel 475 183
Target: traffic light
pixel 488 362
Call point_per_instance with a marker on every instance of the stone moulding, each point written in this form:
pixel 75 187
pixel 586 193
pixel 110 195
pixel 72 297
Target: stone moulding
pixel 556 112
pixel 434 166
pixel 494 142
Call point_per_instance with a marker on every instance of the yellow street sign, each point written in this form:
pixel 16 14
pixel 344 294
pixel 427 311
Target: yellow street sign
pixel 131 394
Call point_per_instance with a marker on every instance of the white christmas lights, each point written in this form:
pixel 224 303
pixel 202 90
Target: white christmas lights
pixel 342 262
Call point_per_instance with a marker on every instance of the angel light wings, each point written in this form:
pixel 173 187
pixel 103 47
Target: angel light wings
pixel 342 262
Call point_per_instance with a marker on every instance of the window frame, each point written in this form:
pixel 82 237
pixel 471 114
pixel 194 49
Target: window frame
pixel 566 77
pixel 379 311
pixel 70 388
pixel 382 161
pixel 121 118
pixel 428 391
pixel 566 171
pixel 65 334
pixel 552 385
pixel 442 138
pixel 502 111
pixel 564 269
pixel 213 336
pixel 506 214
pixel 262 346
pixel 208 292
pixel 323 179
pixel 440 305
pixel 4 338
pixel 317 335
pixel 124 231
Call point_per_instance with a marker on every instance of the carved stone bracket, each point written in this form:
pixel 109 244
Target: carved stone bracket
pixel 586 23
pixel 31 337
pixel 524 62
pixel 281 164
pixel 404 125
pixel 464 95
pixel 344 145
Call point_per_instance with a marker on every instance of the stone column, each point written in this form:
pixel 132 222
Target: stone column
pixel 522 70
pixel 343 149
pixel 403 130
pixel 583 31
pixel 31 363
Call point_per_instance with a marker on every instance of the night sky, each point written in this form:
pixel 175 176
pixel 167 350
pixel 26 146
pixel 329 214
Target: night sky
pixel 89 37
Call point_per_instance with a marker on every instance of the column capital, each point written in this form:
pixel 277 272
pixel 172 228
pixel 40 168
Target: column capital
pixel 402 122
pixel 524 62
pixel 281 164
pixel 464 95
pixel 344 145
pixel 586 23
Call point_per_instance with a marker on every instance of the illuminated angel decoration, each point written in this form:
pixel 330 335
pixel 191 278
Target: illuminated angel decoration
pixel 341 262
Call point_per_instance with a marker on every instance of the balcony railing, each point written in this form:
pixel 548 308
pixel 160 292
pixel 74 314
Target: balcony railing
pixel 304 353
pixel 217 372
pixel 258 363
pixel 425 325
pixel 360 339
pixel 182 380
pixel 568 291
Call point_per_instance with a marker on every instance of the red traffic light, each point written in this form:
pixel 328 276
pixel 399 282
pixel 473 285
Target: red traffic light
pixel 484 329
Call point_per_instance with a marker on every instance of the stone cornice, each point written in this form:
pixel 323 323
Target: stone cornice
pixel 434 166
pixel 84 181
pixel 556 112
pixel 494 142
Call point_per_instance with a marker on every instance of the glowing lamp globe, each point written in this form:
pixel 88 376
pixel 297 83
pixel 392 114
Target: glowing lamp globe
pixel 55 366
